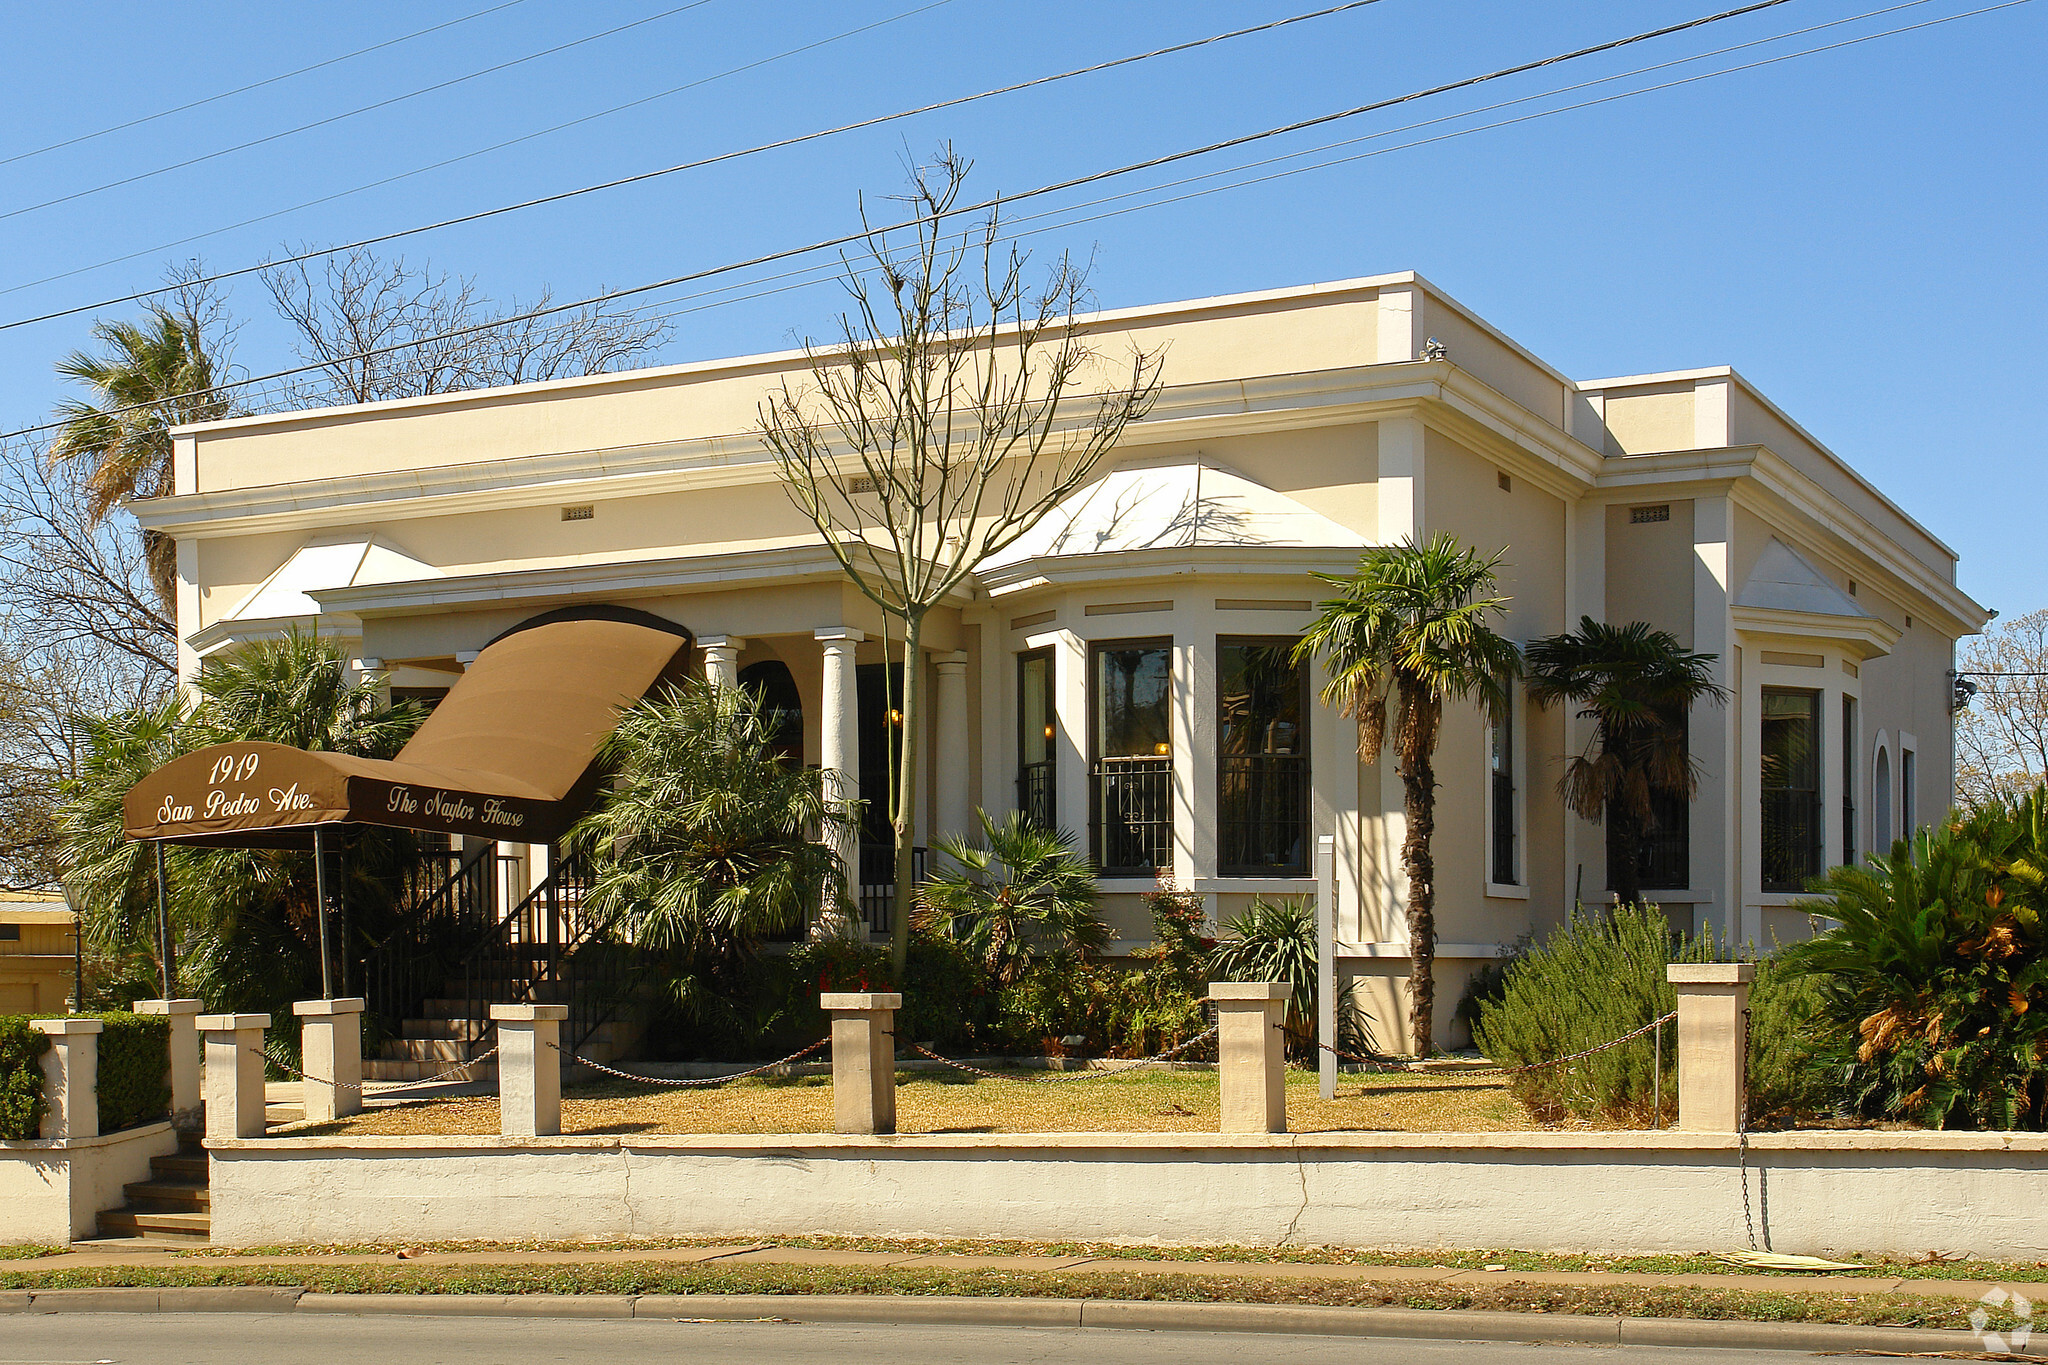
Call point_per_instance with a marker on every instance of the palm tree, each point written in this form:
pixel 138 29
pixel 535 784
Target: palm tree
pixel 705 841
pixel 247 916
pixel 1018 889
pixel 154 375
pixel 1637 685
pixel 1410 629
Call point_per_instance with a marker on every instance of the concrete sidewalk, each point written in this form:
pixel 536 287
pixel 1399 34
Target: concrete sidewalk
pixel 90 1255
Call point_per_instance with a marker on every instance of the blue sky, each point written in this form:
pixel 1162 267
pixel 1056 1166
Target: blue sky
pixel 1857 231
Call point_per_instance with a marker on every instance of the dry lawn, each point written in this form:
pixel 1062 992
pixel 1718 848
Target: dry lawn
pixel 1144 1101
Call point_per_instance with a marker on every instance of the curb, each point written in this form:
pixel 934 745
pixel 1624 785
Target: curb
pixel 1108 1314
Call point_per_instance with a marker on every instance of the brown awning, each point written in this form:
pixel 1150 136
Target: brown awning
pixel 508 754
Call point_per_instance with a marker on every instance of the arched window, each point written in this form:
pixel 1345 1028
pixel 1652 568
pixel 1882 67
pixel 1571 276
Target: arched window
pixel 781 705
pixel 1881 802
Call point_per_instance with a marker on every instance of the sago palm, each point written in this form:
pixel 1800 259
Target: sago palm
pixel 1016 890
pixel 154 374
pixel 705 840
pixel 1637 685
pixel 1409 631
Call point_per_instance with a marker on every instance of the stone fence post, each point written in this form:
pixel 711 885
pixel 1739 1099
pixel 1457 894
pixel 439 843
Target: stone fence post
pixel 863 1059
pixel 529 1069
pixel 1713 1042
pixel 1251 1054
pixel 234 1074
pixel 185 1056
pixel 71 1070
pixel 331 1051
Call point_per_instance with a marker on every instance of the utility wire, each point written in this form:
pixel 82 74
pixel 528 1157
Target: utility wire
pixel 643 175
pixel 828 271
pixel 811 276
pixel 868 233
pixel 422 170
pixel 257 85
pixel 349 113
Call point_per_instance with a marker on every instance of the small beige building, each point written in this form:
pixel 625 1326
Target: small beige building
pixel 38 953
pixel 1117 671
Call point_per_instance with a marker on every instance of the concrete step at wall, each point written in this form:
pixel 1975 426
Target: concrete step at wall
pixel 195 1227
pixel 443 1050
pixel 182 1166
pixel 392 1069
pixel 445 1026
pixel 168 1196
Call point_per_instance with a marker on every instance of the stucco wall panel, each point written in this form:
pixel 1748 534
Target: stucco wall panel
pixel 1635 1193
pixel 1653 417
pixel 1650 567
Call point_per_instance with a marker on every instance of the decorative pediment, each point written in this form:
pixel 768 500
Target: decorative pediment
pixel 1785 596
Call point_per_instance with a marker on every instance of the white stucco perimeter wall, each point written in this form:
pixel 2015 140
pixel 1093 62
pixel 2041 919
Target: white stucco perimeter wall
pixel 51 1192
pixel 1874 1193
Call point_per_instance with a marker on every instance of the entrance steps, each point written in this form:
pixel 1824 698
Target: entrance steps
pixel 173 1204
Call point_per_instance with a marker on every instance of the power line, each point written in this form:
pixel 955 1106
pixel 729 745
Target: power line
pixel 810 276
pixel 350 113
pixel 825 272
pixel 984 205
pixel 643 175
pixel 257 85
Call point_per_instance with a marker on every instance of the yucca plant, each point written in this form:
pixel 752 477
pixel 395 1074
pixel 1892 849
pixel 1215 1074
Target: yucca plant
pixel 1016 892
pixel 1935 972
pixel 1275 940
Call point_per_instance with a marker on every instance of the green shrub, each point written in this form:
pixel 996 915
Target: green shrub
pixel 21 1078
pixel 1932 984
pixel 134 1069
pixel 1602 976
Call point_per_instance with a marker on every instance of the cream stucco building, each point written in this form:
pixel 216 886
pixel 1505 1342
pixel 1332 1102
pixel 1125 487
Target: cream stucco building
pixel 1114 670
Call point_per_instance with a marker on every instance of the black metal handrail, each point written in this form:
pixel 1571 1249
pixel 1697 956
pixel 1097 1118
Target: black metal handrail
pixel 444 903
pixel 523 958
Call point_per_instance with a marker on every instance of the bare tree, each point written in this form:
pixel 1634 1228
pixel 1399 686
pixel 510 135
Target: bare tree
pixel 359 302
pixel 2002 735
pixel 956 408
pixel 76 582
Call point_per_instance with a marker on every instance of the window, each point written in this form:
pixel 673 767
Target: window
pixel 1909 809
pixel 1791 852
pixel 1035 733
pixel 782 707
pixel 10 933
pixel 1881 802
pixel 1663 851
pixel 1262 786
pixel 1130 792
pixel 1501 761
pixel 1849 780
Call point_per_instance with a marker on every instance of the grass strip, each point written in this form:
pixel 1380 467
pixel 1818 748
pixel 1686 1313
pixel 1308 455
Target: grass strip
pixel 1699 1263
pixel 1887 1310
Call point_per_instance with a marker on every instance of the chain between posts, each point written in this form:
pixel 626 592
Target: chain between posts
pixel 1156 1059
pixel 358 1086
pixel 1381 1064
pixel 692 1081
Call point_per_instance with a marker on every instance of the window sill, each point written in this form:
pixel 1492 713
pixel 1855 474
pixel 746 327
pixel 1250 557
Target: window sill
pixel 1505 891
pixel 1281 885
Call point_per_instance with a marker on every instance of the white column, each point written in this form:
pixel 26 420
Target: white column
pixel 529 1069
pixel 839 749
pixel 184 1049
pixel 1718 811
pixel 950 805
pixel 721 658
pixel 1326 964
pixel 331 1050
pixel 234 1074
pixel 1193 718
pixel 71 1078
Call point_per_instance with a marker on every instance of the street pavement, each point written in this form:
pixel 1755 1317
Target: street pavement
pixel 294 1339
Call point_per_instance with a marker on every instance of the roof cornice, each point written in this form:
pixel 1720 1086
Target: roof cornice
pixel 1454 398
pixel 1182 561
